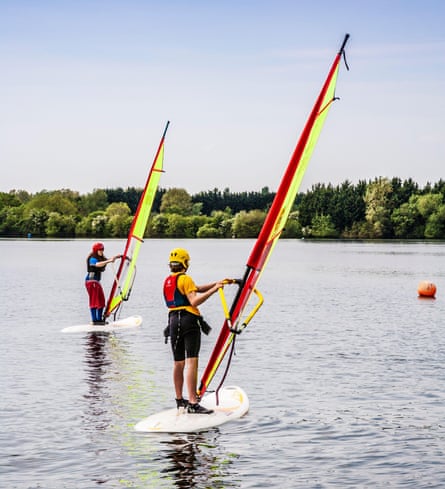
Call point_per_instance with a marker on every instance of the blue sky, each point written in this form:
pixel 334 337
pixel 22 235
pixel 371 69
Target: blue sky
pixel 87 87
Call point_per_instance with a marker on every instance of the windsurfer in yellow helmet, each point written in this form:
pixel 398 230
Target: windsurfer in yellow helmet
pixel 183 297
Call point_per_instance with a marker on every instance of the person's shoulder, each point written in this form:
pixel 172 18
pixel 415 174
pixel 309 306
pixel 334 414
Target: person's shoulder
pixel 187 281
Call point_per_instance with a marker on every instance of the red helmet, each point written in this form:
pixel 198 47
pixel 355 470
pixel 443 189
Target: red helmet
pixel 97 247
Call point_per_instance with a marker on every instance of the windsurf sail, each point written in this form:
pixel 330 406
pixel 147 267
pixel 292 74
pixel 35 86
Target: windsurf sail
pixel 272 227
pixel 126 273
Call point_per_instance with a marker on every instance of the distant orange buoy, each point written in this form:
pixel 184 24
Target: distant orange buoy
pixel 426 289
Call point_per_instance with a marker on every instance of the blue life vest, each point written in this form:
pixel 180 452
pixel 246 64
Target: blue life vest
pixel 94 273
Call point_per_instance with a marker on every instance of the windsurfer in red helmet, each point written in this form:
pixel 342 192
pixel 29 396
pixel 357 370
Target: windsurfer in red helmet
pixel 96 263
pixel 182 298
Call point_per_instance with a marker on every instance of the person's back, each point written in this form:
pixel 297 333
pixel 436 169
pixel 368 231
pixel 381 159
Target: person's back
pixel 182 297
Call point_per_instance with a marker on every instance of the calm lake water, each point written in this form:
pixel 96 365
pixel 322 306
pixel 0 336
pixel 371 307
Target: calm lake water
pixel 344 367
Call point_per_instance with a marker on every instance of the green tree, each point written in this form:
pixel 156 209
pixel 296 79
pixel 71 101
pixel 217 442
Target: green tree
pixel 177 201
pixel 439 188
pixel 435 225
pixel 348 205
pixel 195 223
pixel 323 227
pixel 83 227
pixel 99 224
pixel 407 221
pixel 402 191
pixel 9 200
pixel 157 226
pixel 119 219
pixel 360 230
pixel 215 200
pixel 248 224
pixel 377 197
pixel 35 223
pixel 223 221
pixel 293 228
pixel 62 201
pixel 12 222
pixel 179 227
pixel 22 195
pixel 428 204
pixel 95 201
pixel 117 209
pixel 209 231
pixel 59 225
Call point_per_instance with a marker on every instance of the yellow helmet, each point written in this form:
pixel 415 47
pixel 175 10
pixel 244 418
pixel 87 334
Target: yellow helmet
pixel 179 255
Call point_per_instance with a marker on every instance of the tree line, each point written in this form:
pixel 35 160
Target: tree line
pixel 376 209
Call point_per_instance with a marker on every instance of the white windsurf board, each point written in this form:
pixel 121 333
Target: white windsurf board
pixel 233 403
pixel 120 324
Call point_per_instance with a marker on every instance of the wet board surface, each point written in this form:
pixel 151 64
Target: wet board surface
pixel 233 404
pixel 121 324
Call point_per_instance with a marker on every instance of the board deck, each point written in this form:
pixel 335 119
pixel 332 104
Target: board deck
pixel 233 404
pixel 120 324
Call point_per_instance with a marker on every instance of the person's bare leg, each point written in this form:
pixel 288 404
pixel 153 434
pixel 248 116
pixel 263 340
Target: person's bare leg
pixel 178 378
pixel 191 378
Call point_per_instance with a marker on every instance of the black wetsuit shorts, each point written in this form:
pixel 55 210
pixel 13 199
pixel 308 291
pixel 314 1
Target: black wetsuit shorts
pixel 185 334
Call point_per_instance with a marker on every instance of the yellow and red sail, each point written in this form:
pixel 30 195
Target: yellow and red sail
pixel 126 273
pixel 274 223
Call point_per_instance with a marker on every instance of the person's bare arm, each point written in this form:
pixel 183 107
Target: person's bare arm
pixel 203 292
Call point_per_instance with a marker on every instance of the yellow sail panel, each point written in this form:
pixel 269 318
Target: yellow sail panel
pixel 311 142
pixel 314 134
pixel 281 206
pixel 149 196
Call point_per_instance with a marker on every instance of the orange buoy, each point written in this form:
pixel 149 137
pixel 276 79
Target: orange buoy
pixel 426 289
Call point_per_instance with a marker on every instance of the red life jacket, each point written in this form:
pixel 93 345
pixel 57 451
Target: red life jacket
pixel 173 297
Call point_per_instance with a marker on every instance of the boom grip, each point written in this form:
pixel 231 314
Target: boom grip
pixel 235 329
pixel 253 311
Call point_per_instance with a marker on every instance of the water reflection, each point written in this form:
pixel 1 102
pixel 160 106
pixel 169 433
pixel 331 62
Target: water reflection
pixel 96 367
pixel 196 461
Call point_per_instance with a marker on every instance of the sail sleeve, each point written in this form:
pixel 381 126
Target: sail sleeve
pixel 275 220
pixel 126 272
